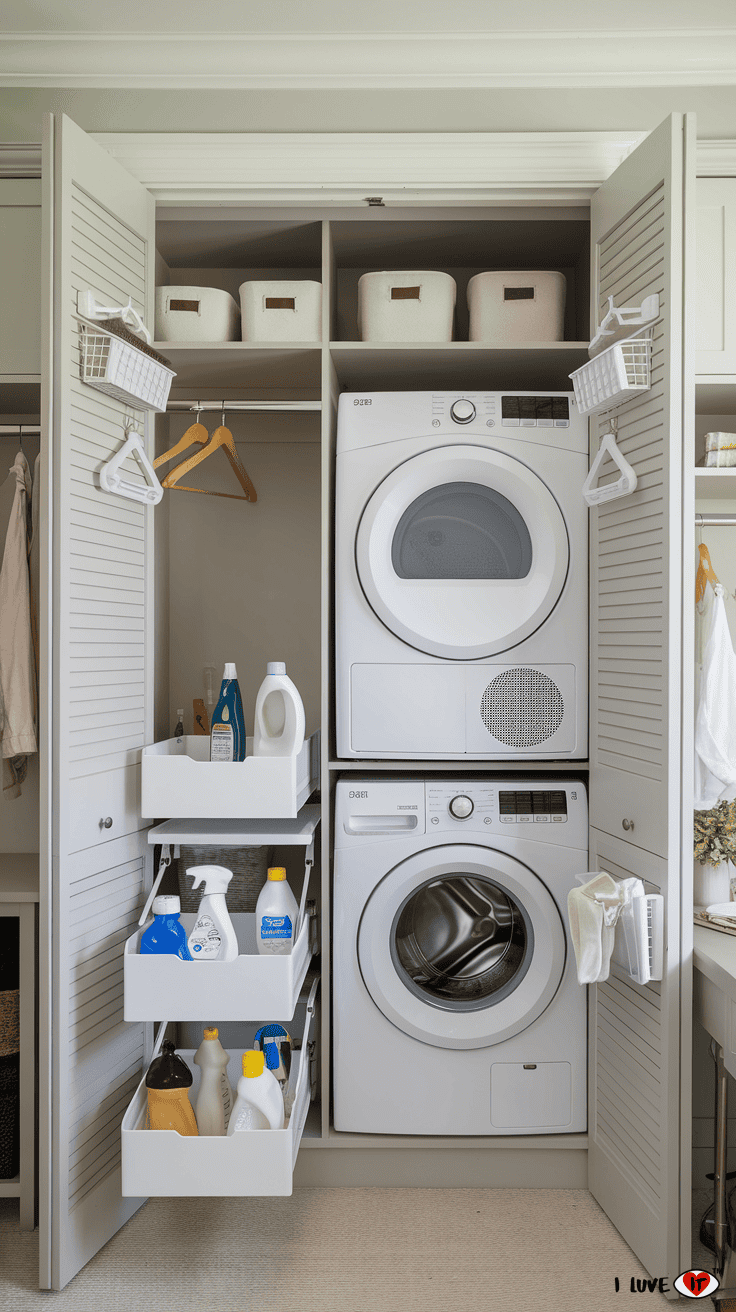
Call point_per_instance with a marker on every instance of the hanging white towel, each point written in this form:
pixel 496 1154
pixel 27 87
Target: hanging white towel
pixel 715 718
pixel 17 665
pixel 593 911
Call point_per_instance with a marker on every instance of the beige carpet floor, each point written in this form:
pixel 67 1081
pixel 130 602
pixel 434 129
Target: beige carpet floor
pixel 346 1250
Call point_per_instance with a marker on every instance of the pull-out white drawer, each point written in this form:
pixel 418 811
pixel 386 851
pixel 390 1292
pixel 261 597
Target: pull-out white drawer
pixel 258 1163
pixel 249 988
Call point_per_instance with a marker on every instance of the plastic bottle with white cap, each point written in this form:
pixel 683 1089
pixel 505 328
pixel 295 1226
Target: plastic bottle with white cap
pixel 259 1104
pixel 279 723
pixel 227 732
pixel 277 912
pixel 166 936
pixel 213 937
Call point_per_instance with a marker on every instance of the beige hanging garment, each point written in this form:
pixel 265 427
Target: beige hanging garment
pixel 17 662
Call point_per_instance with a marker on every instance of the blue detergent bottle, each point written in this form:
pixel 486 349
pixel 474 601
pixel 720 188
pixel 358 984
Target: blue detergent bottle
pixel 166 936
pixel 227 737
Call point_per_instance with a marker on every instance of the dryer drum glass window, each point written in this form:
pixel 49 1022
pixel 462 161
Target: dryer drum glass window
pixel 461 531
pixel 462 942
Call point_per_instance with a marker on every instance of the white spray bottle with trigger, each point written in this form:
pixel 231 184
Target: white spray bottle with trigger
pixel 213 937
pixel 279 720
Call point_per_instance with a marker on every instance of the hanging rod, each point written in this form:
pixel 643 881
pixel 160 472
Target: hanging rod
pixel 243 405
pixel 713 521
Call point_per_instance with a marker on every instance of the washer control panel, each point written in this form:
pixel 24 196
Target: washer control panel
pixel 540 808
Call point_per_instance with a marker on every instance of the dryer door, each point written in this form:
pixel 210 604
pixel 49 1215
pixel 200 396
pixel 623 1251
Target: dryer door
pixel 461 946
pixel 462 552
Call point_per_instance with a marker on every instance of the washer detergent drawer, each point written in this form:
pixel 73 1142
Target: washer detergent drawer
pixel 531 1095
pixel 474 710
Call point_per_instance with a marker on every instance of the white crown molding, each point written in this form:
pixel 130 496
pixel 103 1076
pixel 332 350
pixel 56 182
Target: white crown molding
pixel 335 168
pixel 404 168
pixel 716 159
pixel 404 60
pixel 20 161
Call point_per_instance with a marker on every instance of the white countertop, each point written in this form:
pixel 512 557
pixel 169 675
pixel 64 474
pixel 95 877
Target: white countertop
pixel 714 955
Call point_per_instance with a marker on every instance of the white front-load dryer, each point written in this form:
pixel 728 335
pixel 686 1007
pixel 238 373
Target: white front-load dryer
pixel 456 1006
pixel 461 614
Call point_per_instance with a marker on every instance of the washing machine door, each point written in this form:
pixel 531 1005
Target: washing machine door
pixel 462 552
pixel 461 946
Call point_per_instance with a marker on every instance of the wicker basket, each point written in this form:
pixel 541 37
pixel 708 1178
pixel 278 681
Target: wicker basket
pixel 248 864
pixel 119 369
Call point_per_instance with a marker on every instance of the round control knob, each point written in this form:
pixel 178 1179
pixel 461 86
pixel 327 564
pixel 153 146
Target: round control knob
pixel 462 411
pixel 461 807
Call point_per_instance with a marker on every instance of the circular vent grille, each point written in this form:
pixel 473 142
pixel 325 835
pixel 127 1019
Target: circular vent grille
pixel 522 708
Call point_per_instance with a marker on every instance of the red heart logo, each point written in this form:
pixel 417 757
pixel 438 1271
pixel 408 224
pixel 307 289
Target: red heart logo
pixel 696 1280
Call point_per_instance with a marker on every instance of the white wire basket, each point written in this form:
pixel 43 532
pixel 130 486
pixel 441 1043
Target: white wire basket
pixel 117 368
pixel 617 373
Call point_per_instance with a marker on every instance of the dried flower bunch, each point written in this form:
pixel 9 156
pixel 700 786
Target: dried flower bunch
pixel 715 834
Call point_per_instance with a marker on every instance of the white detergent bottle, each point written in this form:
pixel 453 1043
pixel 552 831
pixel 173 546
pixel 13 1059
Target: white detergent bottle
pixel 259 1104
pixel 215 1098
pixel 276 915
pixel 279 726
pixel 213 937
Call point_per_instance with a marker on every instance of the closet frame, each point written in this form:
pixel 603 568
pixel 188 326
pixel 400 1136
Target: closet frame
pixel 335 365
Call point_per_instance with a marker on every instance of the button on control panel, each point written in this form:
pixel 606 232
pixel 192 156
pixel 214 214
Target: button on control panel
pixel 461 807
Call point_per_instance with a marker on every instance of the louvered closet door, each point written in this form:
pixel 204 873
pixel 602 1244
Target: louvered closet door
pixel 102 685
pixel 636 698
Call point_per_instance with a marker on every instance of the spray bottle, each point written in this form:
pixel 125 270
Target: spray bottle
pixel 213 937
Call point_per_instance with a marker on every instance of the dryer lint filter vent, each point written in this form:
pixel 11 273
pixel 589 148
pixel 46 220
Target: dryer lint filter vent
pixel 522 708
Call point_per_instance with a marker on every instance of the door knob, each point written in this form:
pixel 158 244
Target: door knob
pixel 106 823
pixel 627 824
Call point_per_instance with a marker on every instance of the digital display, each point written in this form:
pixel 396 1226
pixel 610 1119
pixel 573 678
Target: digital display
pixel 535 407
pixel 539 802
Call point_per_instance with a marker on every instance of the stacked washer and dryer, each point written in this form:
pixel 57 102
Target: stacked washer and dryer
pixel 461 630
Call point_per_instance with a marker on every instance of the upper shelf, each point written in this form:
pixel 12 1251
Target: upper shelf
pixel 233 366
pixel 543 365
pixel 715 395
pixel 715 484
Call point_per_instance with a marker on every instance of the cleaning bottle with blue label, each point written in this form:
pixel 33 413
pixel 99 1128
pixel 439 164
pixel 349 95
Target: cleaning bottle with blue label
pixel 227 735
pixel 276 915
pixel 166 936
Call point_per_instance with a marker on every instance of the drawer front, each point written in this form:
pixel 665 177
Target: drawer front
pixel 104 806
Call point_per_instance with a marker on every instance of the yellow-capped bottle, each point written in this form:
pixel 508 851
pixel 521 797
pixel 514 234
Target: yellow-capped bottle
pixel 259 1104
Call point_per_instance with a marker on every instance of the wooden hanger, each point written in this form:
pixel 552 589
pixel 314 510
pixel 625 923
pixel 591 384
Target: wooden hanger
pixel 195 434
pixel 706 573
pixel 222 437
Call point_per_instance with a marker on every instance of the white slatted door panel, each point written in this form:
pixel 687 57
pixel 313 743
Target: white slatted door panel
pixel 633 1110
pixel 636 698
pixel 103 611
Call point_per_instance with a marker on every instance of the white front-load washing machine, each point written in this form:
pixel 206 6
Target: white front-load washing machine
pixel 456 1006
pixel 461 580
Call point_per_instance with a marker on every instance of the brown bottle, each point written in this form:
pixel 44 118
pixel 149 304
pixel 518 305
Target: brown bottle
pixel 167 1082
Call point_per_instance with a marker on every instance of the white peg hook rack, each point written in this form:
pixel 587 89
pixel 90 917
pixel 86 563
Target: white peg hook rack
pixel 111 481
pixel 594 495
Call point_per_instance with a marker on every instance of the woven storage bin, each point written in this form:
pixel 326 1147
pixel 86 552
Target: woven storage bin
pixel 283 311
pixel 9 1083
pixel 196 314
pixel 248 864
pixel 406 307
pixel 517 305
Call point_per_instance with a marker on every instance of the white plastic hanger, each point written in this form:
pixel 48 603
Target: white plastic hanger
pixel 111 481
pixel 88 307
pixel 594 495
pixel 617 323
